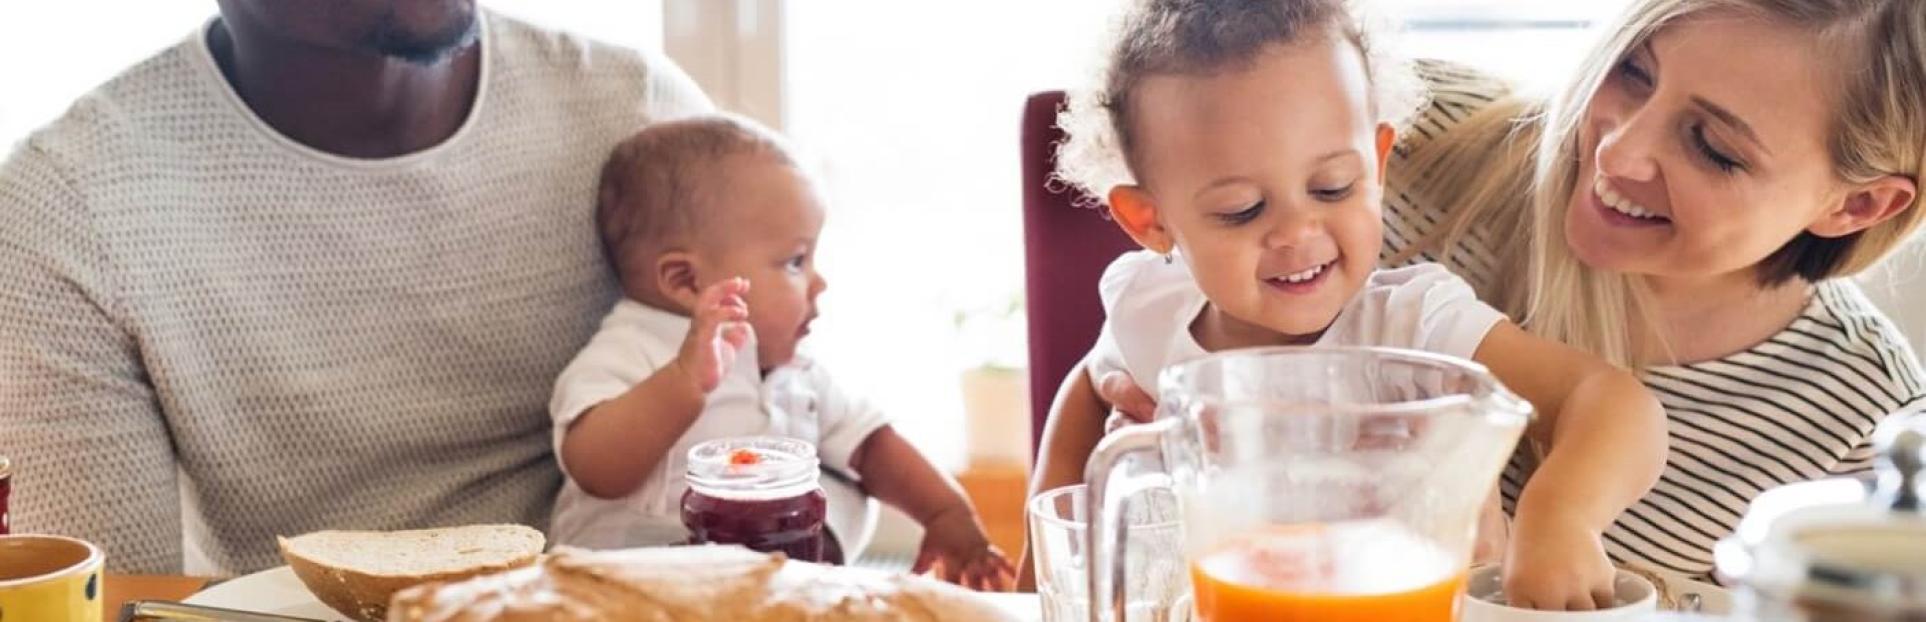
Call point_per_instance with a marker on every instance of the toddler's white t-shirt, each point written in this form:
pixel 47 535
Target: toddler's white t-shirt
pixel 1150 304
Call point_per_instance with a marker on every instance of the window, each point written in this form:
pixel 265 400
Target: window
pixel 1532 42
pixel 912 110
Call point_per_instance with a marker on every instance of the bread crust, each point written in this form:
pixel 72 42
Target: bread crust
pixel 689 584
pixel 364 595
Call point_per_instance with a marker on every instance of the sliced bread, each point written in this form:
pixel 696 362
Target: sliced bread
pixel 357 572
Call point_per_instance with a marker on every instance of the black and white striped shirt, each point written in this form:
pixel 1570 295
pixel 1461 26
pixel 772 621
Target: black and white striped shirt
pixel 1798 406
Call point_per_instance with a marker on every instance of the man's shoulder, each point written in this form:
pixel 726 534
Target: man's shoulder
pixel 520 44
pixel 537 67
pixel 158 91
pixel 95 137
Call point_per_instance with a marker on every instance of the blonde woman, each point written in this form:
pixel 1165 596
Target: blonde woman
pixel 1688 208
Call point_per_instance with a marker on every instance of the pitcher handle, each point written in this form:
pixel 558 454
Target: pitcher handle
pixel 1107 530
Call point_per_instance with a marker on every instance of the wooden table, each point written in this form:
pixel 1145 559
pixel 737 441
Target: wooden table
pixel 118 589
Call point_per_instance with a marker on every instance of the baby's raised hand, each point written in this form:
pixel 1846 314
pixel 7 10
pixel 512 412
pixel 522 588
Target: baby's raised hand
pixel 955 547
pixel 719 324
pixel 1555 563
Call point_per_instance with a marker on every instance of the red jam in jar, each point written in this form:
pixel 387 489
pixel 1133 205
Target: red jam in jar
pixel 760 492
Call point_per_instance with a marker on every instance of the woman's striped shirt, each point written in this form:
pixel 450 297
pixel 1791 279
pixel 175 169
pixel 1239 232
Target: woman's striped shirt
pixel 1796 407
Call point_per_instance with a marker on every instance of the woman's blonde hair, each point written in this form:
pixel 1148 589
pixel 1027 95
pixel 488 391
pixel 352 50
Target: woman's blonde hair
pixel 1203 37
pixel 1513 168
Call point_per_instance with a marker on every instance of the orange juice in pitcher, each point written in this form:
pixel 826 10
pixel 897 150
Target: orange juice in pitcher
pixel 1315 484
pixel 1342 572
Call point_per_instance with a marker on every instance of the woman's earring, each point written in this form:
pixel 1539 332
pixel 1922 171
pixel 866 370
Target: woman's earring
pixel 1169 259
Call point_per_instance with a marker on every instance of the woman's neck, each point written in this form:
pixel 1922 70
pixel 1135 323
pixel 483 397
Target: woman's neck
pixel 1709 318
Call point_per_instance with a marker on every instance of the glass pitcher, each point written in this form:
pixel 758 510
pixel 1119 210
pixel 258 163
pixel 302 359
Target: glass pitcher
pixel 1328 484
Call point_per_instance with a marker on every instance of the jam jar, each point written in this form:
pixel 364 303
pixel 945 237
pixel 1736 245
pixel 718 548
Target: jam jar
pixel 1838 550
pixel 760 492
pixel 6 490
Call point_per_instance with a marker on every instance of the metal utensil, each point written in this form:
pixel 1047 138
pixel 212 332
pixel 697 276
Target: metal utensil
pixel 1691 603
pixel 163 611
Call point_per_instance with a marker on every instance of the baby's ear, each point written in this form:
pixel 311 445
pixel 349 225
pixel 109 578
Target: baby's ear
pixel 675 277
pixel 1387 139
pixel 1136 213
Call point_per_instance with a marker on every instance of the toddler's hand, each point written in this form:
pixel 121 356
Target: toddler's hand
pixel 955 548
pixel 1556 564
pixel 718 326
pixel 1125 398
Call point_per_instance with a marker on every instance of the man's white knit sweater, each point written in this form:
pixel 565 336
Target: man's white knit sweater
pixel 211 334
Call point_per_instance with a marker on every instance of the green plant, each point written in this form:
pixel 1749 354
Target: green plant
pixel 992 335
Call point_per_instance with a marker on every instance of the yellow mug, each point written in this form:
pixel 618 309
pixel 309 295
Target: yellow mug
pixel 49 579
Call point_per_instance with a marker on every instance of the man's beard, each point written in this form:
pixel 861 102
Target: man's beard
pixel 428 49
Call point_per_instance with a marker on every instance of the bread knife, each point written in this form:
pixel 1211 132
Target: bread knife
pixel 162 611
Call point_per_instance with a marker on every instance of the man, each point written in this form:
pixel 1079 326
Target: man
pixel 314 267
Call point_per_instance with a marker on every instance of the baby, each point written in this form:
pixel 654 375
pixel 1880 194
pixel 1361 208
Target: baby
pixel 1243 143
pixel 712 230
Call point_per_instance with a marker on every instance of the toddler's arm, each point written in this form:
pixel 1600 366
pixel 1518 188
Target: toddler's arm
pixel 1070 433
pixel 1607 446
pixel 954 543
pixel 615 444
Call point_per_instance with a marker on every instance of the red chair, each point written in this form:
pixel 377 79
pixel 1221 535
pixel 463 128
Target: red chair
pixel 1065 249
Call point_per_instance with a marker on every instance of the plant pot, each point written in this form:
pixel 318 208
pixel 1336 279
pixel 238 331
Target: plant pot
pixel 996 409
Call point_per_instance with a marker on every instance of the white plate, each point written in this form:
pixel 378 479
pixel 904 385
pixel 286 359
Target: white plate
pixel 278 591
pixel 1713 600
pixel 275 591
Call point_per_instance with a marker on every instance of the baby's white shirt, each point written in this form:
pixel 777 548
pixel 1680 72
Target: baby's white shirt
pixel 798 400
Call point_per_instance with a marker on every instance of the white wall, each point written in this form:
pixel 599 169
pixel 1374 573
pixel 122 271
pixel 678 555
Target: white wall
pixel 1898 286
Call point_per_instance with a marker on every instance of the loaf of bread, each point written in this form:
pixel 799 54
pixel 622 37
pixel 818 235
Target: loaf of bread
pixel 358 572
pixel 689 584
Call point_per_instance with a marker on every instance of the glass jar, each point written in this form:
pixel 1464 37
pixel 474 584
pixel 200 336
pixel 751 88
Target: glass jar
pixel 760 492
pixel 1845 550
pixel 6 490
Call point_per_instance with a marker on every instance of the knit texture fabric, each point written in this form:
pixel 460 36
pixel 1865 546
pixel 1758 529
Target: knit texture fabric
pixel 211 335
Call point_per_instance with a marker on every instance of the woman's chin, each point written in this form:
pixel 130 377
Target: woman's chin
pixel 1591 244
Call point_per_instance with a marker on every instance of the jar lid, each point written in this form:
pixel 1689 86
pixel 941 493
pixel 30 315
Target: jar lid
pixel 753 467
pixel 1856 543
